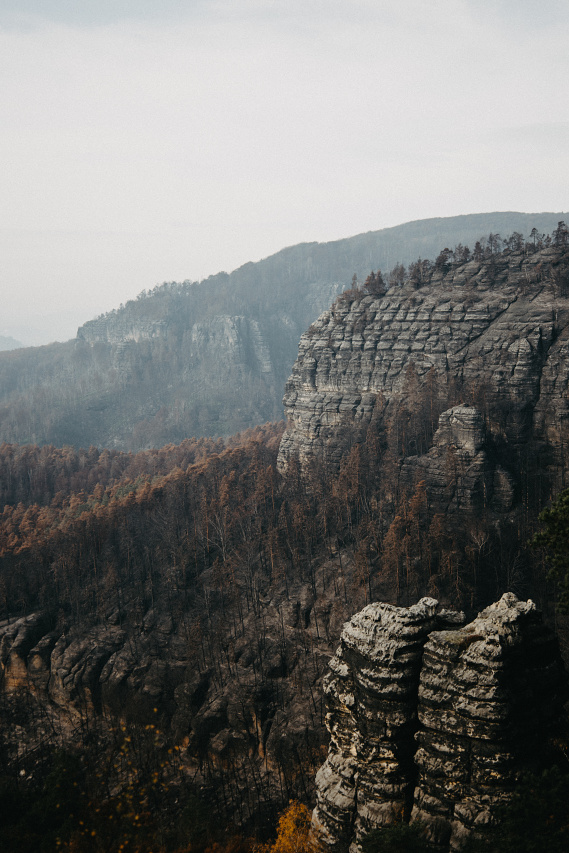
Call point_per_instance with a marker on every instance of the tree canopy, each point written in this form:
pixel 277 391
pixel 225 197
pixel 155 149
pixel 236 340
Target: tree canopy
pixel 554 540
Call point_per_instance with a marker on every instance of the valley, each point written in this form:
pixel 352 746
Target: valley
pixel 170 605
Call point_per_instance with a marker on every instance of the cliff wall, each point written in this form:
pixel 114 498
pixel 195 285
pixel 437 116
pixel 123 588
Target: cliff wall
pixel 208 358
pixel 490 334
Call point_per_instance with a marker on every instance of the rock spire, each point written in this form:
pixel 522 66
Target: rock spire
pixel 432 720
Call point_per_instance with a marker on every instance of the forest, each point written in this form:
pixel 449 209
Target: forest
pixel 202 591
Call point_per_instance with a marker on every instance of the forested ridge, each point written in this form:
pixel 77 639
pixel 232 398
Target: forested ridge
pixel 168 615
pixel 211 358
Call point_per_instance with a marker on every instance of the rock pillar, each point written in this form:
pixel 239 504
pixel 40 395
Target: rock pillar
pixel 433 722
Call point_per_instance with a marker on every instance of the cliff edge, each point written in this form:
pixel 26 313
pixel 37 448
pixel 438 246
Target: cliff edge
pixel 490 334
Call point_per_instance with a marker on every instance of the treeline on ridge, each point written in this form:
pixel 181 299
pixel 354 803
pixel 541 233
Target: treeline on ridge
pixel 211 534
pixel 207 358
pixel 420 271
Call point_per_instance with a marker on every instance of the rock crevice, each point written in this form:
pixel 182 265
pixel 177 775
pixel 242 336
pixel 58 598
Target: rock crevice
pixel 432 720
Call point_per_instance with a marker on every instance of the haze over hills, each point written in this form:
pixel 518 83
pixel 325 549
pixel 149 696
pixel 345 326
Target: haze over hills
pixel 278 530
pixel 208 358
pixel 8 343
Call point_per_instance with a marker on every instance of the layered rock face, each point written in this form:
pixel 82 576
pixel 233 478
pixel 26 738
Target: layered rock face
pixel 491 334
pixel 490 695
pixel 459 471
pixel 371 694
pixel 212 358
pixel 119 328
pixel 423 709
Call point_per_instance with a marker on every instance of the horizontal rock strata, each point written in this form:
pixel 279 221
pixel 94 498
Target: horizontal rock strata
pixel 423 709
pixel 460 471
pixel 490 695
pixel 497 329
pixel 371 694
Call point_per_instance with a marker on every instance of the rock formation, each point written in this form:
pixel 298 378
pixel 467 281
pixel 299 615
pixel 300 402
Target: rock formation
pixel 423 709
pixel 491 334
pixel 208 358
pixel 371 691
pixel 460 471
pixel 240 698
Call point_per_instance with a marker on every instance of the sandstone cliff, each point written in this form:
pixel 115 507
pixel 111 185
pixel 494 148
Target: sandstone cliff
pixel 208 358
pixel 490 334
pixel 434 722
pixel 461 471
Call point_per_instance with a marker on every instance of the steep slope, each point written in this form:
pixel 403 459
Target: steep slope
pixel 205 585
pixel 209 358
pixel 490 334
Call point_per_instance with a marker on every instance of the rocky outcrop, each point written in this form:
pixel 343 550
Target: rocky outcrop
pixel 238 692
pixel 460 471
pixel 491 334
pixel 17 641
pixel 120 328
pixel 423 709
pixel 490 697
pixel 235 340
pixel 371 693
pixel 151 372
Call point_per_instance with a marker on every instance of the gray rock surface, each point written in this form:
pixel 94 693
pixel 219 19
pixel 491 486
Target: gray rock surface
pixel 459 472
pixel 371 695
pixel 491 335
pixel 422 708
pixel 490 697
pixel 212 358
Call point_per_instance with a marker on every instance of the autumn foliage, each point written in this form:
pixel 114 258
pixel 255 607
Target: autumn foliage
pixel 293 832
pixel 212 535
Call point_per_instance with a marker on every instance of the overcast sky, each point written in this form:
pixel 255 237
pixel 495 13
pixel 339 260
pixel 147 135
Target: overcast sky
pixel 145 141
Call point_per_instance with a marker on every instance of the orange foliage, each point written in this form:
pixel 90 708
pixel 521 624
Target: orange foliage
pixel 293 831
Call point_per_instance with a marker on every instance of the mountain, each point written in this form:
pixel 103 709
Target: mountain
pixel 8 343
pixel 208 358
pixel 178 608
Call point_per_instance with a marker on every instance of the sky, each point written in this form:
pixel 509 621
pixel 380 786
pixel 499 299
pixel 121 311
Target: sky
pixel 143 141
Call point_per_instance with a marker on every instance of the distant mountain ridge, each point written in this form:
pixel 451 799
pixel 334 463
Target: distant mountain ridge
pixel 208 358
pixel 9 343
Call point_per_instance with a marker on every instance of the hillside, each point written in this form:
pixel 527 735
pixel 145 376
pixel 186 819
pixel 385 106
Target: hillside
pixel 208 358
pixel 201 589
pixel 491 333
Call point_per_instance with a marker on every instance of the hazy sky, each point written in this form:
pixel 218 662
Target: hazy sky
pixel 145 141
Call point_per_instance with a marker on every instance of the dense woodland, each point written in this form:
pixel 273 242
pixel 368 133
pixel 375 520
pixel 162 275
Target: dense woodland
pixel 210 541
pixel 209 533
